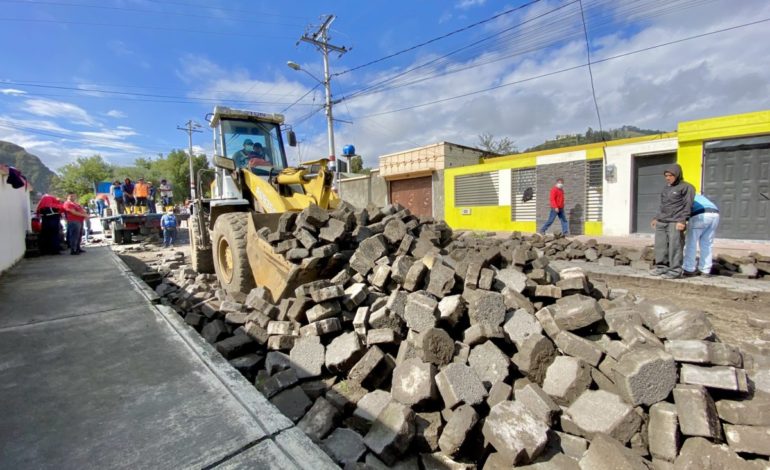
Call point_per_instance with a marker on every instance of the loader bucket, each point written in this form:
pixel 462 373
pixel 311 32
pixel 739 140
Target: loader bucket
pixel 270 269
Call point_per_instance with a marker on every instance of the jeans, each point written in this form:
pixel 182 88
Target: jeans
pixel 74 232
pixel 669 247
pixel 100 207
pixel 552 217
pixel 169 234
pixel 700 232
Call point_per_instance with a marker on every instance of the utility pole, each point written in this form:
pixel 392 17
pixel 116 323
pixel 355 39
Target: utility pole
pixel 320 39
pixel 189 129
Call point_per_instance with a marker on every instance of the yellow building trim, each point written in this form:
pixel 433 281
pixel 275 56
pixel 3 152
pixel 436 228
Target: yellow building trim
pixel 493 165
pixel 491 218
pixel 735 125
pixel 689 156
pixel 586 147
pixel 592 228
pixel 595 153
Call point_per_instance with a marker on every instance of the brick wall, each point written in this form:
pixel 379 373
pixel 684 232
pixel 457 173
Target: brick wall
pixel 574 175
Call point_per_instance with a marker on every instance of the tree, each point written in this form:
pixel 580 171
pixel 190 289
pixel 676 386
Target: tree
pixel 357 164
pixel 501 146
pixel 79 176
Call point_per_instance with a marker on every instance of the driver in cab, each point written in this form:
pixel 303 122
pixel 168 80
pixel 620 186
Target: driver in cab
pixel 257 156
pixel 241 157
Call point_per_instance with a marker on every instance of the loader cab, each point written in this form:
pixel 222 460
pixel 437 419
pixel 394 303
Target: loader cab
pixel 252 140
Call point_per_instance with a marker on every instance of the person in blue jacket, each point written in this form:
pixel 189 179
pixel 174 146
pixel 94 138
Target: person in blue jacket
pixel 704 220
pixel 168 224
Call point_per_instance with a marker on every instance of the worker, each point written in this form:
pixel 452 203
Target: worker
pixel 257 156
pixel 670 222
pixel 75 215
pixel 152 198
pixel 704 220
pixel 166 195
pixel 49 209
pixel 128 195
pixel 116 193
pixel 241 157
pixel 556 201
pixel 168 224
pixel 141 193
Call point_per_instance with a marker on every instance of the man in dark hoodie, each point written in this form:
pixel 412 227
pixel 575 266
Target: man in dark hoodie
pixel 670 223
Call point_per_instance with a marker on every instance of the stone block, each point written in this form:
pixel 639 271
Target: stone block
pixel 441 280
pixel 380 336
pixel 280 342
pixel 605 453
pixel 510 278
pixel 577 311
pixel 415 276
pixel 345 395
pixel 754 412
pixel 451 309
pixel 458 384
pixel 486 279
pixel 685 324
pixel 360 320
pixel 750 439
pixel 719 377
pixel 414 382
pixel 215 331
pixel 499 392
pixel 292 403
pixel 698 453
pixel 344 351
pixel 548 291
pixel 280 328
pixel 456 430
pixel 235 346
pixel 572 446
pixel 354 295
pixel 462 352
pixel 323 311
pixel 663 432
pixel 343 445
pixel 420 312
pixel 436 346
pixel 547 321
pixel 581 348
pixel 520 326
pixel 566 379
pixel 487 308
pixel 277 361
pixel 616 419
pixel 428 428
pixel 517 435
pixel 441 461
pixel 278 382
pixel 333 231
pixel 488 362
pixel 371 405
pixel 256 332
pixel 538 403
pixel 392 432
pixel 645 376
pixel 697 412
pixel 535 354
pixel 619 318
pixel 307 356
pixel 704 352
pixel 319 420
pixel 328 293
pixel 477 334
pixel 372 369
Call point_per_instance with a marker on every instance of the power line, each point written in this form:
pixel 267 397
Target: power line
pixel 438 38
pixel 590 69
pixel 300 98
pixel 567 69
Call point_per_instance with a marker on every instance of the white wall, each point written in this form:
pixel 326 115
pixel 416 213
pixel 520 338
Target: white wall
pixel 618 194
pixel 14 210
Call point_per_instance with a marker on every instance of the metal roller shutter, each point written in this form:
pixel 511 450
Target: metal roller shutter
pixel 478 189
pixel 594 182
pixel 521 180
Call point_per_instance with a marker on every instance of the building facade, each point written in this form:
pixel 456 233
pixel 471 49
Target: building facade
pixel 613 188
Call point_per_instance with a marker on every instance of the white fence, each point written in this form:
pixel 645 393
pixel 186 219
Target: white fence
pixel 14 211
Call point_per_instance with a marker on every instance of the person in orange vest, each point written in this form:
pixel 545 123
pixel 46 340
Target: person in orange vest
pixel 141 193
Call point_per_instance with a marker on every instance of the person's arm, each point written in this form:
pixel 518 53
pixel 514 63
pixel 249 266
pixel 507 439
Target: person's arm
pixel 689 198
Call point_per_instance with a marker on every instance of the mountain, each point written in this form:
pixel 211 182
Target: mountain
pixel 30 165
pixel 592 136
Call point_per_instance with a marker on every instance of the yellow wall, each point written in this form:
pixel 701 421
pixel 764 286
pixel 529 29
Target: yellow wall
pixel 692 135
pixel 497 218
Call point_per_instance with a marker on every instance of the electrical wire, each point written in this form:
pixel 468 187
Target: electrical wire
pixel 590 69
pixel 300 98
pixel 567 69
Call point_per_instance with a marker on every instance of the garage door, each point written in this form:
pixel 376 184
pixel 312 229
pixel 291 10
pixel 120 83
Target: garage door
pixel 737 178
pixel 648 183
pixel 415 194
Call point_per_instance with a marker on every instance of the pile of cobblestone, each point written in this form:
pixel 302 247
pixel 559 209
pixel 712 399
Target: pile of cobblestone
pixel 421 349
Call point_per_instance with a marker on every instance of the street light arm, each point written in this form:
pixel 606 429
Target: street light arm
pixel 295 66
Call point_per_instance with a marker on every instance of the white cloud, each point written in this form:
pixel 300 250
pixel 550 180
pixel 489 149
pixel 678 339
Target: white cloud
pixel 114 113
pixel 465 4
pixel 58 109
pixel 12 92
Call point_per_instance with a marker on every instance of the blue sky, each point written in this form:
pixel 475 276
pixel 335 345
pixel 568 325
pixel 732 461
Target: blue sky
pixel 116 77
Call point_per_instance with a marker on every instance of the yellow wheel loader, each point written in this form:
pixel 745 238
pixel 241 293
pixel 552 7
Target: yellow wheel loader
pixel 252 187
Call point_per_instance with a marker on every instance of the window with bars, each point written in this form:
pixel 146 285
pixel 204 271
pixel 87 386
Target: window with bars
pixel 524 194
pixel 478 189
pixel 594 182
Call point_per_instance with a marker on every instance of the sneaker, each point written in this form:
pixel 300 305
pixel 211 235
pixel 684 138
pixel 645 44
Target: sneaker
pixel 657 271
pixel 706 275
pixel 671 275
pixel 689 273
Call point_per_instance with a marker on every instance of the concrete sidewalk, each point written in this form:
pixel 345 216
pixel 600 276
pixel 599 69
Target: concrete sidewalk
pixel 93 375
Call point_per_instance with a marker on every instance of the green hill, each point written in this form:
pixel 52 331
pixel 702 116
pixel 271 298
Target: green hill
pixel 592 136
pixel 30 165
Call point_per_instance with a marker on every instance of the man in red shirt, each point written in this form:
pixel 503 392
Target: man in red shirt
pixel 75 215
pixel 557 208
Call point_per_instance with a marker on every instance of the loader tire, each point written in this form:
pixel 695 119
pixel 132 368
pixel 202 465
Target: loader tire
pixel 230 259
pixel 202 259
